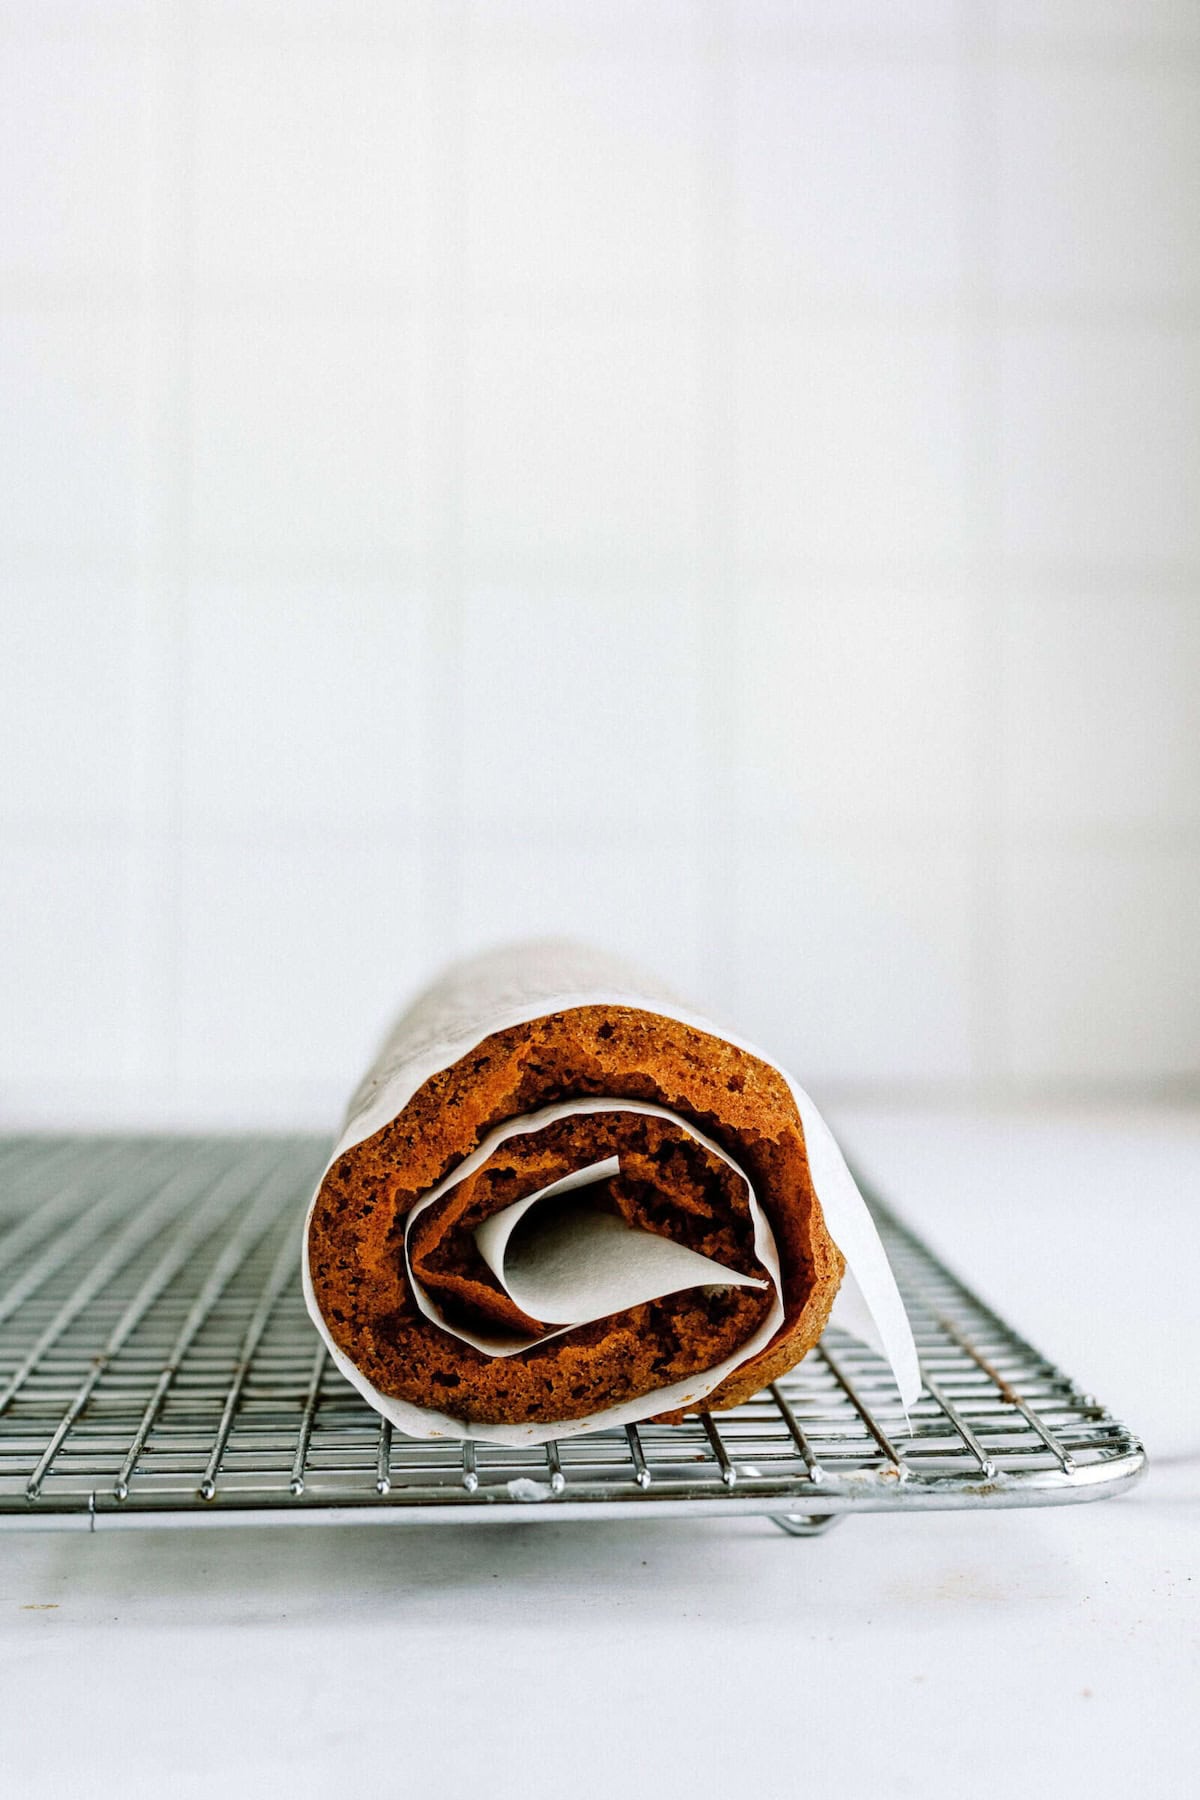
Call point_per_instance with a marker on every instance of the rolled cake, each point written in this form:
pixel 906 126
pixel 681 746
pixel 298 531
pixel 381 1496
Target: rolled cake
pixel 562 1201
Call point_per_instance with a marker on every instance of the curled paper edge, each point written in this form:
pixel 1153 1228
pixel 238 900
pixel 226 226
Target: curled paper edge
pixel 495 1229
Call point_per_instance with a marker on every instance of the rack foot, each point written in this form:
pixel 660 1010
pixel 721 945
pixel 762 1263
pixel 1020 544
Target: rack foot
pixel 806 1524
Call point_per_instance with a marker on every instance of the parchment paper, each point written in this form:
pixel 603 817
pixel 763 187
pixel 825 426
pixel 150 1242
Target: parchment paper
pixel 527 981
pixel 602 1272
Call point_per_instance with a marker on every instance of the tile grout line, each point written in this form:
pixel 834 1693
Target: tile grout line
pixel 141 846
pixel 161 552
pixel 445 400
pixel 980 401
pixel 362 302
pixel 182 246
pixel 1064 576
pixel 715 608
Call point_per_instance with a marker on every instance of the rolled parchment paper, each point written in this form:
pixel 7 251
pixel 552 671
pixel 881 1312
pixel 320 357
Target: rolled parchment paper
pixel 562 1200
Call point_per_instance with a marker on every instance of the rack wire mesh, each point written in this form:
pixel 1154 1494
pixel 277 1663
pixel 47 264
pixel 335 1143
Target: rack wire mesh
pixel 157 1366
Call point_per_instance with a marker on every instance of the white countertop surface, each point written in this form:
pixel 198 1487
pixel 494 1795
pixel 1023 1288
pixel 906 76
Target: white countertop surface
pixel 1053 1649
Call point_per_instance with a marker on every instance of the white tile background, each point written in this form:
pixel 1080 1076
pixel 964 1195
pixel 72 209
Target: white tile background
pixel 719 478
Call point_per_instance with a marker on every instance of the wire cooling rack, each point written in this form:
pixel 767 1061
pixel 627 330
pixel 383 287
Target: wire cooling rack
pixel 157 1367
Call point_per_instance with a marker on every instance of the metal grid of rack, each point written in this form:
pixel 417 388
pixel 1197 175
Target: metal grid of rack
pixel 157 1366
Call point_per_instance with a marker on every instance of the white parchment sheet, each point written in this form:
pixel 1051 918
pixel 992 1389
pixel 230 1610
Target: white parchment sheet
pixel 580 1260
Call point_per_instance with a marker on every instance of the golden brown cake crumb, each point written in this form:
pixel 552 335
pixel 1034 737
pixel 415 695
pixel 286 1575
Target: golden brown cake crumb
pixel 667 1183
